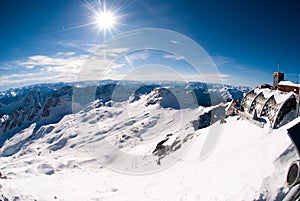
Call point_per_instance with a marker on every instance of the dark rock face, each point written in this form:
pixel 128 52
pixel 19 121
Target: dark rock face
pixel 171 97
pixel 203 97
pixel 209 118
pixel 105 92
pixel 34 108
pixel 50 102
pixel 143 90
pixel 85 95
pixel 161 150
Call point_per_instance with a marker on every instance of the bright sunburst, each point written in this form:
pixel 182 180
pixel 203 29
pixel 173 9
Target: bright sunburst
pixel 105 20
pixel 104 17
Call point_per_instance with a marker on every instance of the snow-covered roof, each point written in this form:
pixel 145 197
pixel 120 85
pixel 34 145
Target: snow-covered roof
pixel 288 83
pixel 278 95
pixel 282 97
pixel 266 92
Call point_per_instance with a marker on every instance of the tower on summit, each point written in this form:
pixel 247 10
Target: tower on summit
pixel 278 77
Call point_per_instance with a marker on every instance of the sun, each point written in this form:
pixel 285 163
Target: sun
pixel 104 17
pixel 105 20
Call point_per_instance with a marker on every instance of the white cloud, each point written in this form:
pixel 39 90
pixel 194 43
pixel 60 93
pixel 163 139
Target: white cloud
pixel 69 44
pixel 140 55
pixel 116 66
pixel 71 66
pixel 65 54
pixel 6 66
pixel 102 52
pixel 215 78
pixel 63 60
pixel 173 57
pixel 17 80
pixel 62 66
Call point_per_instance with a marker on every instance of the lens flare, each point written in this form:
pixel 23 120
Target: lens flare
pixel 105 20
pixel 104 17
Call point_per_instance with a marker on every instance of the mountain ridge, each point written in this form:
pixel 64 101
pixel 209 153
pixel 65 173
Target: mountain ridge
pixel 33 104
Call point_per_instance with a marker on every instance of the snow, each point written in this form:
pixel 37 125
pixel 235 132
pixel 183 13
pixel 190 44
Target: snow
pixel 279 96
pixel 267 93
pixel 105 153
pixel 288 83
pixel 13 93
pixel 282 97
pixel 4 118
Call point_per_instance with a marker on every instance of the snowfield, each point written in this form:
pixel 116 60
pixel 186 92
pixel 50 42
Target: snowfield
pixel 146 150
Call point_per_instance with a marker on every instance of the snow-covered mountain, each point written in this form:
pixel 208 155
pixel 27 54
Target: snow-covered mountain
pixel 48 103
pixel 137 141
pixel 40 107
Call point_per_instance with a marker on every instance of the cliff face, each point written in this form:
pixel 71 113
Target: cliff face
pixel 43 106
pixel 36 107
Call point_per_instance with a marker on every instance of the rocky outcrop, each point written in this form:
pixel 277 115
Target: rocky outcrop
pixel 208 118
pixel 34 108
pixel 171 97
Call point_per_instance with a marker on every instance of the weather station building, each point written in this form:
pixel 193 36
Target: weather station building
pixel 278 77
pixel 276 105
pixel 289 86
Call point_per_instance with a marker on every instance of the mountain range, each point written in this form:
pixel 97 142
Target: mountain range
pixel 126 140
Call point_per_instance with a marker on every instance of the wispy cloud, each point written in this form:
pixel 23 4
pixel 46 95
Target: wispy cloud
pixel 78 46
pixel 228 62
pixel 61 61
pixel 66 54
pixel 61 66
pixel 6 66
pixel 116 66
pixel 17 80
pixel 241 67
pixel 71 44
pixel 140 55
pixel 173 57
pixel 222 60
pixel 240 72
pixel 68 66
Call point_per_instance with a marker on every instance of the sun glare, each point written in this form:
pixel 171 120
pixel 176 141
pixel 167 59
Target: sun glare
pixel 105 20
pixel 104 17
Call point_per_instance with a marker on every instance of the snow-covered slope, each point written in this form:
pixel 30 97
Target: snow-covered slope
pixel 48 103
pixel 36 107
pixel 145 149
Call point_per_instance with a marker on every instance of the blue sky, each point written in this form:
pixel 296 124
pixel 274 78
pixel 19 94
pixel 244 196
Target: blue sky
pixel 51 41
